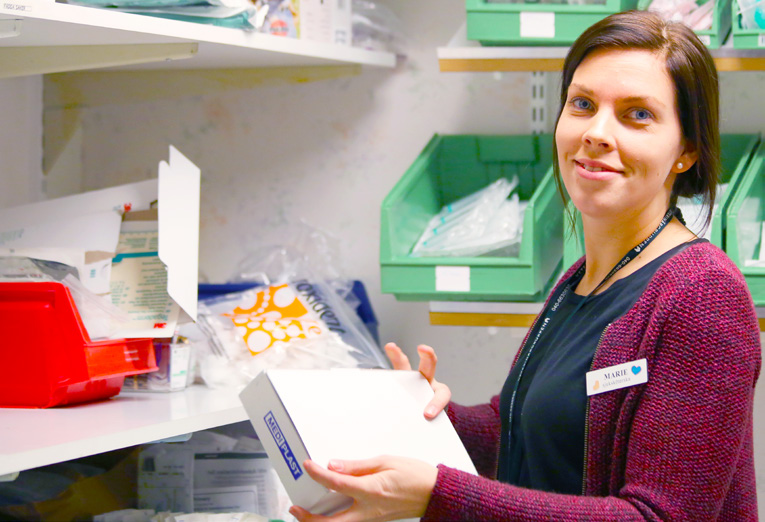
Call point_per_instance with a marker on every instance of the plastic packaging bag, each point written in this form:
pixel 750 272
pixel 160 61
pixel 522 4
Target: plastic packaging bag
pixel 376 27
pixel 480 223
pixel 696 16
pixel 290 325
pixel 302 314
pixel 101 318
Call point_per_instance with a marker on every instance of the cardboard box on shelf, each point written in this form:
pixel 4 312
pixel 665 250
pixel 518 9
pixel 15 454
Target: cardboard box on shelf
pixel 345 414
pixel 140 241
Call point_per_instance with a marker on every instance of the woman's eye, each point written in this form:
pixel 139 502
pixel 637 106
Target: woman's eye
pixel 641 114
pixel 581 103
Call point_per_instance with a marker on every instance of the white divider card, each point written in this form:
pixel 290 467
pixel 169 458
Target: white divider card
pixel 452 279
pixel 537 25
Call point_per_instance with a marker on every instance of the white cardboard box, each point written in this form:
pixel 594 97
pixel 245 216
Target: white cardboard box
pixel 83 227
pixel 345 414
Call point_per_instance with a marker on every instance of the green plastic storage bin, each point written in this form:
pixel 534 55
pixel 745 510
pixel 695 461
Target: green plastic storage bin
pixel 736 151
pixel 744 38
pixel 721 22
pixel 504 23
pixel 745 217
pixel 449 168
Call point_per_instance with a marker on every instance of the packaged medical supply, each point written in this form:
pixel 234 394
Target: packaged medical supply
pixel 175 368
pixel 698 17
pixel 377 28
pixel 225 13
pixel 302 324
pixel 345 414
pixel 482 222
pixel 212 472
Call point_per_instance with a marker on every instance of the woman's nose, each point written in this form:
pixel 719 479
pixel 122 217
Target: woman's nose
pixel 599 132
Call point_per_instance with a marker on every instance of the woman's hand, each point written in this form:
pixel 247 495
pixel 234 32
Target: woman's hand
pixel 427 368
pixel 382 488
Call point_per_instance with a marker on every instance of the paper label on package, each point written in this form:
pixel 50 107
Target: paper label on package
pixel 138 237
pixel 232 481
pixel 452 279
pixel 139 288
pixel 180 355
pixel 165 474
pixel 537 25
pixel 139 283
pixel 226 500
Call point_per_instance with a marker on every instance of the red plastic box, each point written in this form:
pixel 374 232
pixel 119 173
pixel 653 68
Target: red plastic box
pixel 46 356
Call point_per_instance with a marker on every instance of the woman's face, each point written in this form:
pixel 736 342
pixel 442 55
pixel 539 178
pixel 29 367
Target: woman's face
pixel 619 137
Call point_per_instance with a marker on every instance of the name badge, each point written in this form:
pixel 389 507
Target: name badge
pixel 616 377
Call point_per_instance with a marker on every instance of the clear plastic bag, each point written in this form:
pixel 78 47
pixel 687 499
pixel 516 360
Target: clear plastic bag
pixel 377 28
pixel 481 223
pixel 696 16
pixel 290 325
pixel 101 318
pixel 300 316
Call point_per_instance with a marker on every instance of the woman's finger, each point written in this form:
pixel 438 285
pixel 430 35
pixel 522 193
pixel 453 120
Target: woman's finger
pixel 340 481
pixel 357 468
pixel 397 357
pixel 441 397
pixel 428 361
pixel 305 516
pixel 344 516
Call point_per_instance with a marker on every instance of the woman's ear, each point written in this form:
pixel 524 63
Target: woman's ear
pixel 686 160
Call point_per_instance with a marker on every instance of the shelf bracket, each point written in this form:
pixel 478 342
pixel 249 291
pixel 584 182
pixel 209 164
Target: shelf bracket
pixel 10 28
pixel 23 61
pixel 538 103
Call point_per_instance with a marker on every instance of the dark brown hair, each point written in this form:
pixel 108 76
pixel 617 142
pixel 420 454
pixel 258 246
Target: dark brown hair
pixel 693 73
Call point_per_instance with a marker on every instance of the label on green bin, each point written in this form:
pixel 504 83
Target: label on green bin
pixel 537 25
pixel 761 40
pixel 452 279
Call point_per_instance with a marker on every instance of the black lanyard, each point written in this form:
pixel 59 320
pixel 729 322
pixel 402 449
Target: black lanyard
pixel 632 254
pixel 545 320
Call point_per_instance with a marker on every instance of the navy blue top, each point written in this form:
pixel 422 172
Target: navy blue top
pixel 542 446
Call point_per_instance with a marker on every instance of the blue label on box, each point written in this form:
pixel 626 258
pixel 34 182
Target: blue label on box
pixel 281 442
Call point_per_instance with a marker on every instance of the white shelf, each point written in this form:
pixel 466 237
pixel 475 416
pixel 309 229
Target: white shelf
pixel 40 36
pixel 30 438
pixel 463 55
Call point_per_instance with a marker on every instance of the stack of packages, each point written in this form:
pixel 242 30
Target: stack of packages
pixel 696 16
pixel 487 222
pixel 315 20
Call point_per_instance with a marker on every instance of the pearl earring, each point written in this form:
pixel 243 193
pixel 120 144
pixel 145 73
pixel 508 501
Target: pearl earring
pixel 679 165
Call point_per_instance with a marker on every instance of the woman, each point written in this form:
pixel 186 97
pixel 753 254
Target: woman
pixel 631 397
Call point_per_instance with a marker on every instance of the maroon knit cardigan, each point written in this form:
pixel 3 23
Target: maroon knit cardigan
pixel 677 448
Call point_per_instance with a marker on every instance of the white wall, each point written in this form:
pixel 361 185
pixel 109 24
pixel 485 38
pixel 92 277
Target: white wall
pixel 329 152
pixel 21 107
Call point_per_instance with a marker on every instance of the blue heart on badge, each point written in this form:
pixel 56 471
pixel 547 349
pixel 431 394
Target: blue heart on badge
pixel 636 369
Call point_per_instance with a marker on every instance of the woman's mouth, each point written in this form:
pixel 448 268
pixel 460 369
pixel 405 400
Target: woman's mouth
pixel 594 172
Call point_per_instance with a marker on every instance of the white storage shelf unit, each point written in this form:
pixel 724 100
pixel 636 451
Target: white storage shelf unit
pixel 30 438
pixel 42 36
